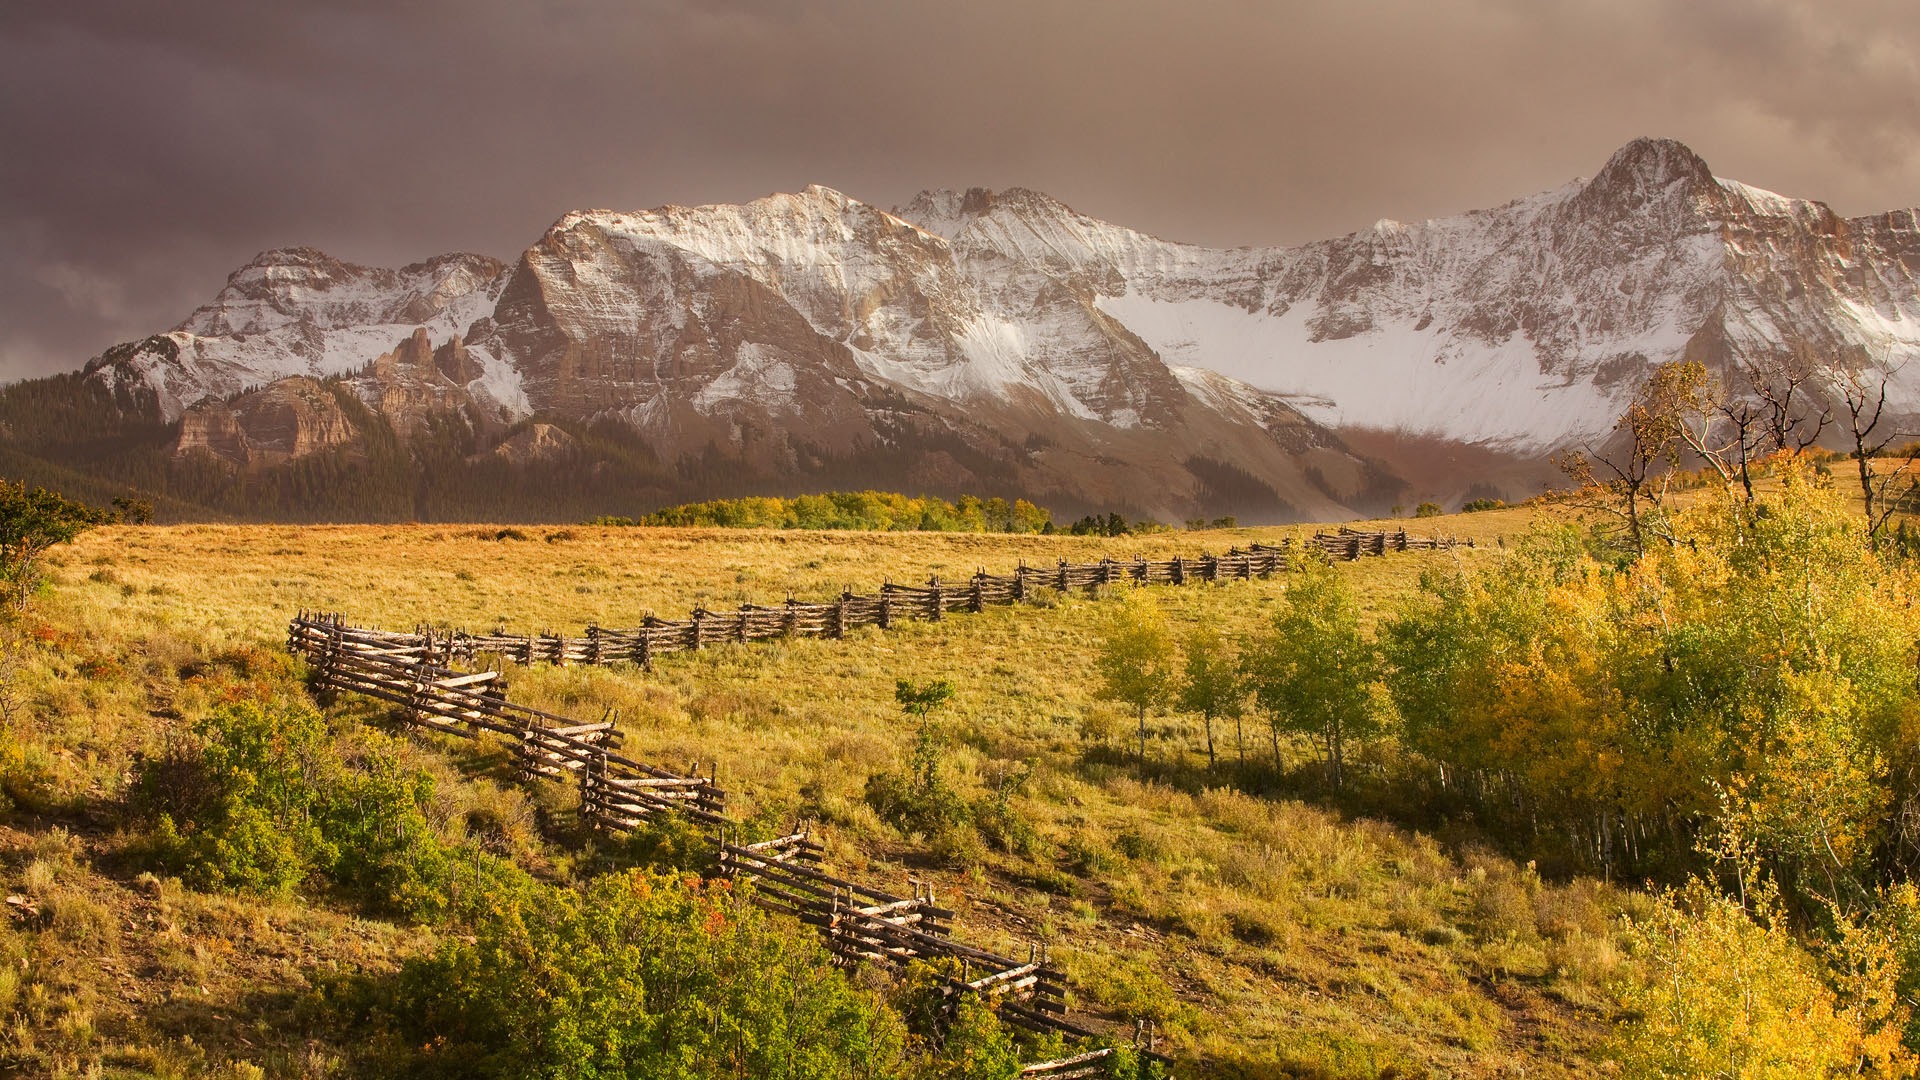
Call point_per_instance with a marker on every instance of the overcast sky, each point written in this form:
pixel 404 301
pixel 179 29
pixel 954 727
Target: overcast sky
pixel 147 149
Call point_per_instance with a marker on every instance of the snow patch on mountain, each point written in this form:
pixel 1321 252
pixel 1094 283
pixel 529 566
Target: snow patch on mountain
pixel 499 384
pixel 1393 377
pixel 759 375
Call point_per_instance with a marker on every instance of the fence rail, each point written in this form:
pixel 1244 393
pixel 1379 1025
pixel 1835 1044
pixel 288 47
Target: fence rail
pixel 410 672
pixel 894 603
pixel 619 793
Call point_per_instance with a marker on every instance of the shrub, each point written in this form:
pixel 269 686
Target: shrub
pixel 918 802
pixel 976 1047
pixel 236 805
pixel 1731 996
pixel 998 821
pixel 640 975
pixel 31 523
pixel 263 799
pixel 667 842
pixel 1476 506
pixel 1427 510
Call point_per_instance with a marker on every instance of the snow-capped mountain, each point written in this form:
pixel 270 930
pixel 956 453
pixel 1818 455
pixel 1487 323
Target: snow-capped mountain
pixel 1003 337
pixel 1528 326
pixel 297 311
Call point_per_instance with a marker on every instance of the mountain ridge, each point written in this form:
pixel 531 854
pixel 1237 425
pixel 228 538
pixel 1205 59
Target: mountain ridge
pixel 1003 338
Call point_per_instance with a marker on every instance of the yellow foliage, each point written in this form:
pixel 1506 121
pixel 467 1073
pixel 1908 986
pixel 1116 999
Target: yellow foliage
pixel 1733 996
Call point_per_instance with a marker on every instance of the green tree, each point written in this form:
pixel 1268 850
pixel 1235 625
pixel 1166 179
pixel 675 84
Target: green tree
pixel 31 523
pixel 1136 662
pixel 919 700
pixel 1313 671
pixel 1211 685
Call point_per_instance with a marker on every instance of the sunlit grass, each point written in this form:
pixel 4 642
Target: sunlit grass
pixel 1263 935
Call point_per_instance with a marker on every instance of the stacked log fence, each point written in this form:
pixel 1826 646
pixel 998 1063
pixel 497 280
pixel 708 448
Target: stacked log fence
pixel 411 671
pixel 619 793
pixel 895 603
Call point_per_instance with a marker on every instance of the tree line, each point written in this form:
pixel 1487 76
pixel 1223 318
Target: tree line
pixel 876 511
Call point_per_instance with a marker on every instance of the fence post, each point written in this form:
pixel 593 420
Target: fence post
pixel 1179 570
pixel 937 612
pixel 590 790
pixel 593 644
pixel 886 605
pixel 979 600
pixel 699 627
pixel 1020 583
pixel 839 627
pixel 332 657
pixel 422 679
pixel 1063 575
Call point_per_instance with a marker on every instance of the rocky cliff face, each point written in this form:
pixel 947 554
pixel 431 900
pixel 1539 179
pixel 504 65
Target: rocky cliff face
pixel 292 418
pixel 1001 339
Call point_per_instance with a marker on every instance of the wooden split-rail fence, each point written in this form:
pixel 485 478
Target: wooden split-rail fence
pixel 656 637
pixel 1351 544
pixel 618 793
pixel 413 672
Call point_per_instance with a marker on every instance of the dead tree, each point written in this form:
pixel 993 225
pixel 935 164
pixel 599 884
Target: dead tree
pixel 1881 493
pixel 1635 491
pixel 1784 392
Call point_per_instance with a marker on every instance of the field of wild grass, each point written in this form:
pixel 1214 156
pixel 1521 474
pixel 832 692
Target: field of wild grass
pixel 1266 928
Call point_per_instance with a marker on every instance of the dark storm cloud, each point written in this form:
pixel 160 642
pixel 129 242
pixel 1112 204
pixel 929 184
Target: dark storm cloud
pixel 147 149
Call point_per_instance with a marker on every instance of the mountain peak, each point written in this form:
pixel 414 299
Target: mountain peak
pixel 944 211
pixel 298 255
pixel 1646 166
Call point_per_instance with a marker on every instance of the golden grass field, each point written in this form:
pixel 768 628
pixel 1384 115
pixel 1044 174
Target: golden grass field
pixel 1265 936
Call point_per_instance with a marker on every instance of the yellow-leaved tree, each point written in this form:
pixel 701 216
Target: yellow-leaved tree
pixel 1731 995
pixel 1136 661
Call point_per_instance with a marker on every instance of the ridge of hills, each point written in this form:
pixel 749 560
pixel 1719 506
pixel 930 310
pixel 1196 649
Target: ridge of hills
pixel 975 342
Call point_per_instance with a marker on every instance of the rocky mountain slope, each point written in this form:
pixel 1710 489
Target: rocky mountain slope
pixel 1003 342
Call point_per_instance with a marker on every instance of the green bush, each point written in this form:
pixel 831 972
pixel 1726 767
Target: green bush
pixel 640 975
pixel 1427 510
pixel 265 799
pixel 919 802
pixel 1476 506
pixel 1002 824
pixel 31 523
pixel 668 842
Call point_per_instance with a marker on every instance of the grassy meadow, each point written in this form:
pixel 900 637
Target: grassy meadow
pixel 1266 927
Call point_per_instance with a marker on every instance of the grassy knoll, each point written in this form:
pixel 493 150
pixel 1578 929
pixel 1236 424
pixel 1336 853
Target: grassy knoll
pixel 1265 933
